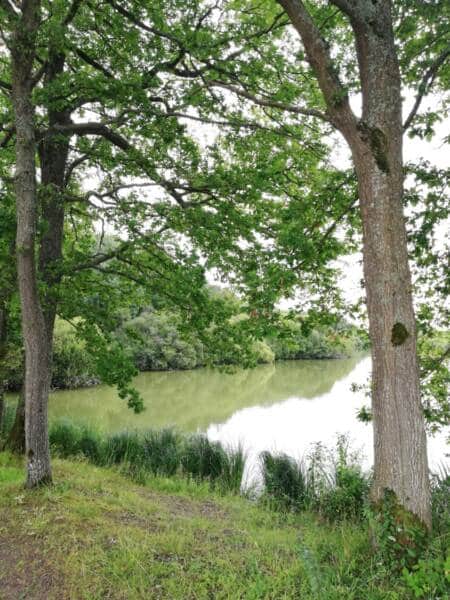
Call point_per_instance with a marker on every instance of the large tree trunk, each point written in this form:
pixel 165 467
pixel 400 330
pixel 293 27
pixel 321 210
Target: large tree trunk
pixel 400 452
pixel 3 325
pixel 37 358
pixel 400 448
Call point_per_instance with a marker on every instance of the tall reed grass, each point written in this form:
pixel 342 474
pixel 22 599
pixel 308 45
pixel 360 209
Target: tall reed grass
pixel 164 452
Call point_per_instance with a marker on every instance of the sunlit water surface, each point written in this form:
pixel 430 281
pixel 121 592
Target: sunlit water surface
pixel 285 407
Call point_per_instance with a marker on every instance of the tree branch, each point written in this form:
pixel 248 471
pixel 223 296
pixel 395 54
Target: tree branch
pixel 309 112
pixel 93 63
pixel 425 85
pixel 71 13
pixel 318 55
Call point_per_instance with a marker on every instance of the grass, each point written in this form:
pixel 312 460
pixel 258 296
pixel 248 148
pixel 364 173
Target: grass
pixel 179 529
pixel 164 452
pixel 97 534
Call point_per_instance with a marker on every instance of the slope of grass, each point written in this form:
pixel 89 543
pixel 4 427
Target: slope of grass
pixel 95 534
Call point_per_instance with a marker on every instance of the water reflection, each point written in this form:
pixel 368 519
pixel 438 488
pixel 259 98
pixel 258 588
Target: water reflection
pixel 285 407
pixel 295 424
pixel 192 400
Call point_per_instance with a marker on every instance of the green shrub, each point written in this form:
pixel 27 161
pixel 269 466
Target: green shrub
pixel 329 483
pixel 156 343
pixel 264 353
pixel 347 498
pixel 429 578
pixel 73 367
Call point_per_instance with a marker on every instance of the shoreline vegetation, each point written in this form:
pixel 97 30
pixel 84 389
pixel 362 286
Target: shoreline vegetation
pixel 154 341
pixel 144 500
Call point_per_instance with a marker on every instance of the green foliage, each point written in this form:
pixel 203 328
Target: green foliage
pixel 156 342
pixel 73 366
pixel 434 355
pixel 400 536
pixel 330 483
pixel 347 497
pixel 298 338
pixel 440 503
pixel 429 578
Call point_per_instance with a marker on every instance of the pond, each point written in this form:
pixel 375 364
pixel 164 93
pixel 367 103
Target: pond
pixel 283 407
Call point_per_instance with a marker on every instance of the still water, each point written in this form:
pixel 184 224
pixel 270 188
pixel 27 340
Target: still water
pixel 283 407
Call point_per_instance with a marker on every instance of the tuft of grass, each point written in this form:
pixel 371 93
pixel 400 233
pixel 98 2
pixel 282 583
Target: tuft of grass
pixel 162 452
pixel 233 469
pixel 203 459
pixel 285 481
pixel 64 438
pixel 124 447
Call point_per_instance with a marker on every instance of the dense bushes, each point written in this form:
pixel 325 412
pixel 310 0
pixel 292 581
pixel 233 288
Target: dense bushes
pixel 73 367
pixel 331 484
pixel 296 341
pixel 154 340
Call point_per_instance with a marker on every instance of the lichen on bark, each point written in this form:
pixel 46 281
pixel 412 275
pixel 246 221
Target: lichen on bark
pixel 378 145
pixel 399 334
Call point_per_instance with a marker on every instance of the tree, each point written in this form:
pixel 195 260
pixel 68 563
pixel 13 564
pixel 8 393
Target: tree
pixel 339 49
pixel 375 141
pixel 23 49
pixel 137 142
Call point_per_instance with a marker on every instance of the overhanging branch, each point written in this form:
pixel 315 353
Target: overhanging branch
pixel 425 85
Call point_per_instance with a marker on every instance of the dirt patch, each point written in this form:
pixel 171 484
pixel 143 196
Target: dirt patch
pixel 134 520
pixel 25 572
pixel 179 506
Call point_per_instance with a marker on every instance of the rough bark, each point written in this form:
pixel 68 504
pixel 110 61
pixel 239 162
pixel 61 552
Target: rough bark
pixel 400 453
pixel 3 326
pixel 37 359
pixel 400 448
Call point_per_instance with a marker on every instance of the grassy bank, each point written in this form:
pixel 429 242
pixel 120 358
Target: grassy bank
pixel 96 534
pixel 159 515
